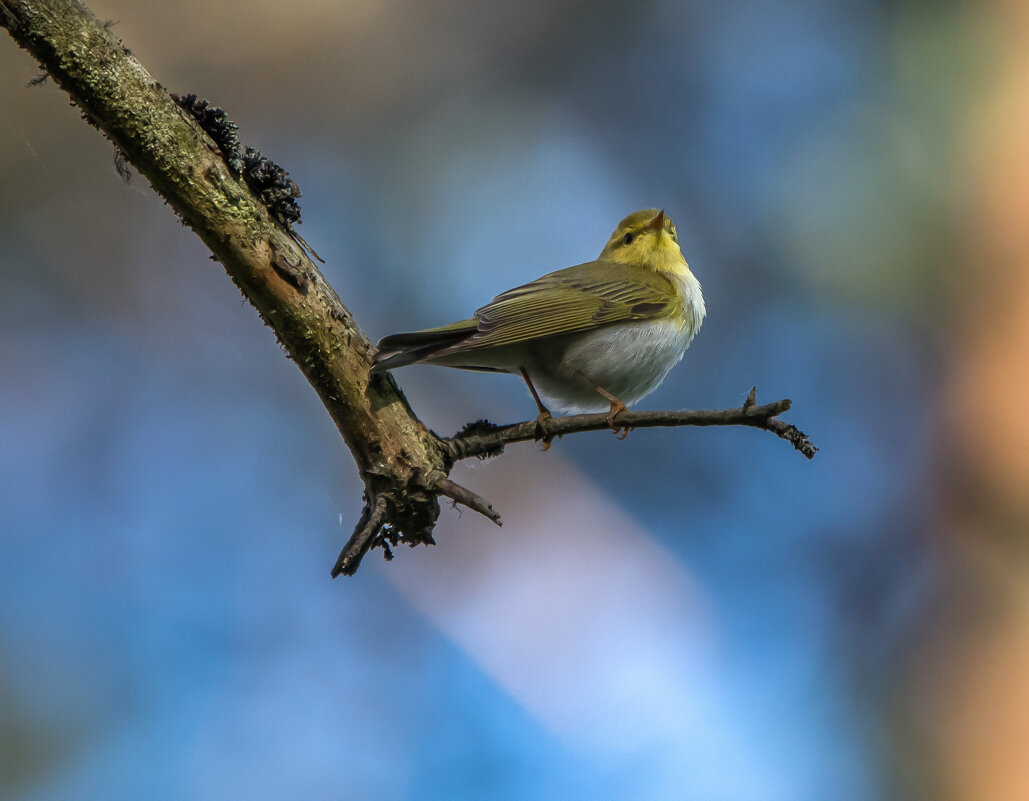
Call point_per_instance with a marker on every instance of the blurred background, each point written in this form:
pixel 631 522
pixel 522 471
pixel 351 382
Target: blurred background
pixel 689 614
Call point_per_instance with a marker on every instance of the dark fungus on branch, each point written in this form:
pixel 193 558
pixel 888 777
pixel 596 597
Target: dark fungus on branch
pixel 266 179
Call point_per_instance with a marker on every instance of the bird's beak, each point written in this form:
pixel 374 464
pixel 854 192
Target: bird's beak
pixel 658 223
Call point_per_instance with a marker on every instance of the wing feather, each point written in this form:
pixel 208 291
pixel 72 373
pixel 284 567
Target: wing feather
pixel 579 298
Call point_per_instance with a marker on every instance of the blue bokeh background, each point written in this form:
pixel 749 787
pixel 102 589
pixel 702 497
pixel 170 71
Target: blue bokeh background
pixel 689 614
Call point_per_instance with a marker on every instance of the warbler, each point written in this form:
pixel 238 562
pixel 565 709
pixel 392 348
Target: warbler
pixel 599 335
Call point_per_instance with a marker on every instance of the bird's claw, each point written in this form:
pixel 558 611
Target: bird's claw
pixel 544 437
pixel 620 431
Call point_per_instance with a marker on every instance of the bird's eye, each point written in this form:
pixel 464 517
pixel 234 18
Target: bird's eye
pixel 627 239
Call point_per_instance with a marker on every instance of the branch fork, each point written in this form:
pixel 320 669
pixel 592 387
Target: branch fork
pixel 484 440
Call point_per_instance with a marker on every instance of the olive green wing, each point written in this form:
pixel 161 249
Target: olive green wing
pixel 580 298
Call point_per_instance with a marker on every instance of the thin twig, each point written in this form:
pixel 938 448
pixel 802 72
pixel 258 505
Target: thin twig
pixel 484 441
pixel 466 497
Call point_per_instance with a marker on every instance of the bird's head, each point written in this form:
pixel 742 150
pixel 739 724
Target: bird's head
pixel 646 239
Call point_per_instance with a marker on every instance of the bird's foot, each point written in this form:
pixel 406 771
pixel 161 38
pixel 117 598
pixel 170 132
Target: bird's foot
pixel 617 407
pixel 542 434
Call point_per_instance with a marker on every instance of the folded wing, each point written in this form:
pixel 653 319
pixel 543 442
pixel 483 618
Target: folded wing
pixel 580 298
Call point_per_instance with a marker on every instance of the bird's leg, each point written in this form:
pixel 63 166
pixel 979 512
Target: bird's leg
pixel 544 414
pixel 544 411
pixel 617 407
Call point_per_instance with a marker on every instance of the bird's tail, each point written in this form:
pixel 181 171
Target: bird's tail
pixel 399 350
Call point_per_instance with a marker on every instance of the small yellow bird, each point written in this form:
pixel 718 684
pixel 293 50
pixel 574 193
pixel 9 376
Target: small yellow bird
pixel 598 335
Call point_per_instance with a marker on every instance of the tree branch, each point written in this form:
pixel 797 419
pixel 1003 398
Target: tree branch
pixel 368 529
pixel 404 466
pixel 483 439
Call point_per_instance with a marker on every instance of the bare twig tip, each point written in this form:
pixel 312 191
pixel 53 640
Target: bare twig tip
pixel 466 497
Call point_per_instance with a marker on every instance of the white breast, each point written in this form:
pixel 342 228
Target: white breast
pixel 629 361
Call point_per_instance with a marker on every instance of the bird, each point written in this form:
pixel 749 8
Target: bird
pixel 595 336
